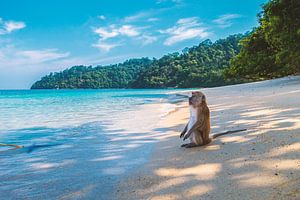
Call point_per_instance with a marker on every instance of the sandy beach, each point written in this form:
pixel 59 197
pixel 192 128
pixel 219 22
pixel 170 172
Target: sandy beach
pixel 260 163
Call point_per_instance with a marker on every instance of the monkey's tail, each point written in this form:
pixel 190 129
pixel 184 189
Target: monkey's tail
pixel 227 132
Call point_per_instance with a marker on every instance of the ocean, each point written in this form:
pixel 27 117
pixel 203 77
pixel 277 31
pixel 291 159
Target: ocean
pixel 77 143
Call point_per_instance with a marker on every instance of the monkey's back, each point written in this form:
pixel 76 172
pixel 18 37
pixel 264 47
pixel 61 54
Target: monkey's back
pixel 202 132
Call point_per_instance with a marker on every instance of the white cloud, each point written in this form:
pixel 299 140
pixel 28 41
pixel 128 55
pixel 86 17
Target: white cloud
pixel 102 17
pixel 104 46
pixel 185 29
pixel 7 27
pixel 145 15
pixel 11 26
pixel 128 30
pixel 12 56
pixel 114 31
pixel 225 21
pixel 104 33
pixel 147 39
pixel 191 21
pixel 39 56
pixel 138 16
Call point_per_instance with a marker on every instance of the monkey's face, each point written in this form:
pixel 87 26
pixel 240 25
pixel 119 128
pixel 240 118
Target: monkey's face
pixel 197 99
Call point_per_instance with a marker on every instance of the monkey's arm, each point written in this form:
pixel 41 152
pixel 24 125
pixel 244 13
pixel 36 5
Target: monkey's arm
pixel 198 124
pixel 184 130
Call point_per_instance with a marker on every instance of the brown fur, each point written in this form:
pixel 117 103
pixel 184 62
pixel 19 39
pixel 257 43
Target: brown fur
pixel 201 127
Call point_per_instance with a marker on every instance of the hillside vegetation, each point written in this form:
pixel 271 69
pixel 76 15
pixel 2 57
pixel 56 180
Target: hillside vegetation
pixel 199 66
pixel 272 49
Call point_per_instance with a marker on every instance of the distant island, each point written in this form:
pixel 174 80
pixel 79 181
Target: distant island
pixel 269 51
pixel 202 65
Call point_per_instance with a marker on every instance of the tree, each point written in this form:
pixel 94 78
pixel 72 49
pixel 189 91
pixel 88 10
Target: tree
pixel 273 49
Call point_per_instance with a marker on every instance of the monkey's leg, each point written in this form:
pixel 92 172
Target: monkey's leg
pixel 191 145
pixel 205 140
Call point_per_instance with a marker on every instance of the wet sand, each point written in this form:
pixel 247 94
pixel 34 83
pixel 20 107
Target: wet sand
pixel 260 163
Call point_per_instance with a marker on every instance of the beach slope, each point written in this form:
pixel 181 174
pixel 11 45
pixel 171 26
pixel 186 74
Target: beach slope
pixel 260 163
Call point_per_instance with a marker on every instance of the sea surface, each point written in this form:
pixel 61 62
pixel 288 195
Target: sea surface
pixel 77 144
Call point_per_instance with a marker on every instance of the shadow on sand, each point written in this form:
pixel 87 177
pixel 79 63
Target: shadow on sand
pixel 261 163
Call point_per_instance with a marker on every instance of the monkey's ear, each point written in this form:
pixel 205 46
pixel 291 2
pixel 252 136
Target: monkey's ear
pixel 203 98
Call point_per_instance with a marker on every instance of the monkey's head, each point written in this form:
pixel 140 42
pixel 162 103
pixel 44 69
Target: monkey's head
pixel 197 99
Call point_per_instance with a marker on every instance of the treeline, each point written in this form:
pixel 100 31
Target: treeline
pixel 271 50
pixel 199 66
pixel 113 76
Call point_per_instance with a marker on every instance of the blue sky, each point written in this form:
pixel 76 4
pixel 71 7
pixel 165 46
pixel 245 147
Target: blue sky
pixel 38 37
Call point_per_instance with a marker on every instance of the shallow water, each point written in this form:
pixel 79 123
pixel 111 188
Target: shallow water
pixel 77 143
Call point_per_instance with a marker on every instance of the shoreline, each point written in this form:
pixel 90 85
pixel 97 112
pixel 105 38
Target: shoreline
pixel 82 159
pixel 261 163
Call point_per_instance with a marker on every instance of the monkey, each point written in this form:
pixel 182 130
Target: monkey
pixel 198 127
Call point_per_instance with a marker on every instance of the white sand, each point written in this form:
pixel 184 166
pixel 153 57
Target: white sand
pixel 261 163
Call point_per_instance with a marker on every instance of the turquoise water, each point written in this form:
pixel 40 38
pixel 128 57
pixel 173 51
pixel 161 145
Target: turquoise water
pixel 58 108
pixel 77 143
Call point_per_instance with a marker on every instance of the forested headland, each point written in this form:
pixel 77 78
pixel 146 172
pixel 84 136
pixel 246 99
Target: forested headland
pixel 270 50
